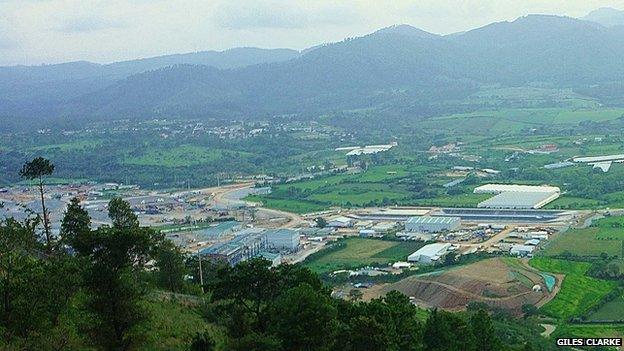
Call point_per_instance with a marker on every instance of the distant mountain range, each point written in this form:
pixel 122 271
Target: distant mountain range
pixel 606 16
pixel 398 68
pixel 44 90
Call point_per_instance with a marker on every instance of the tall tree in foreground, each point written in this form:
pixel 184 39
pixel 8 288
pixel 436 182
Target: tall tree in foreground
pixel 120 213
pixel 171 267
pixel 116 259
pixel 483 329
pixel 76 227
pixel 35 291
pixel 36 170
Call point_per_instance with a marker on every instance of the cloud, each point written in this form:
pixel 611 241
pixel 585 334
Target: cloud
pixel 250 14
pixel 90 24
pixel 49 31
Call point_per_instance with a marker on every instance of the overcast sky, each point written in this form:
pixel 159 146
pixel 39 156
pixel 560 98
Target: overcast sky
pixel 51 31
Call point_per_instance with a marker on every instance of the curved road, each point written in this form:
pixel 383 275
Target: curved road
pixel 226 195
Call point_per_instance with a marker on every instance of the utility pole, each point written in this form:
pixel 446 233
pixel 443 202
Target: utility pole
pixel 201 272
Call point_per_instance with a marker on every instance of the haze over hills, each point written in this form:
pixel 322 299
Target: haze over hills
pixel 29 90
pixel 606 16
pixel 399 68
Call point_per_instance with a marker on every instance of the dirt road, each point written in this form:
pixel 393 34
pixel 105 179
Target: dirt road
pixel 226 195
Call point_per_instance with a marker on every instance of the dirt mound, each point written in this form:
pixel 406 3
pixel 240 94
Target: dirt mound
pixel 497 282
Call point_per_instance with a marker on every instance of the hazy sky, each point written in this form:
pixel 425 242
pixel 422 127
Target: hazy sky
pixel 50 31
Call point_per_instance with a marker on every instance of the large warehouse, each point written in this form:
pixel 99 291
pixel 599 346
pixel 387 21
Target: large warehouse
pixel 512 196
pixel 283 239
pixel 519 200
pixel 502 188
pixel 432 224
pixel 429 253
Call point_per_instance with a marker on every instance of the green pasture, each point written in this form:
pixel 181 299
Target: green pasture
pixel 603 236
pixel 589 330
pixel 578 291
pixel 288 205
pixel 611 311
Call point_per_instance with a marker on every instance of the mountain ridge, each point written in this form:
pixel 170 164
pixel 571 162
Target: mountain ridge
pixel 399 68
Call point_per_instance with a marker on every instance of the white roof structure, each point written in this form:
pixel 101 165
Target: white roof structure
pixel 431 251
pixel 522 249
pixel 603 166
pixel 589 159
pixel 432 220
pixel 500 188
pixel 519 200
pixel 559 165
pixel 403 212
pixel 366 150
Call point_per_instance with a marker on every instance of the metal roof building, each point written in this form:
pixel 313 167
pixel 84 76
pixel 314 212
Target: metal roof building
pixel 599 158
pixel 432 224
pixel 501 188
pixel 519 200
pixel 429 253
pixel 522 250
pixel 283 239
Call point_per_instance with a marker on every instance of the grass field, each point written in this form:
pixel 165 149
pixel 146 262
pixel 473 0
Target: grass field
pixel 581 242
pixel 570 202
pixel 612 310
pixel 578 291
pixel 461 200
pixel 589 330
pixel 359 252
pixel 295 206
pixel 604 236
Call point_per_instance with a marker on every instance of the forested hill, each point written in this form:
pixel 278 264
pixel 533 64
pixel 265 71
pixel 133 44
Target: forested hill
pixel 41 91
pixel 399 67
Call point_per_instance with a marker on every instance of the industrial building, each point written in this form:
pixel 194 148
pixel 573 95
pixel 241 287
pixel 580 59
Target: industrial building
pixel 243 247
pixel 522 250
pixel 283 239
pixel 558 165
pixel 432 224
pixel 502 188
pixel 512 196
pixel 430 253
pixel 602 163
pixel 519 200
pixel 591 159
pixel 341 222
